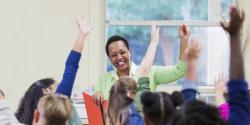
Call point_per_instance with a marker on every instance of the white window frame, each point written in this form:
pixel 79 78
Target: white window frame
pixel 213 15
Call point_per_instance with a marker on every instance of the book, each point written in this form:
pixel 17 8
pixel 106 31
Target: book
pixel 94 111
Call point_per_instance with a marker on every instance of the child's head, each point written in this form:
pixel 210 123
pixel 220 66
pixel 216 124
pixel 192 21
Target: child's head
pixel 53 110
pixel 122 94
pixel 159 107
pixel 31 97
pixel 197 113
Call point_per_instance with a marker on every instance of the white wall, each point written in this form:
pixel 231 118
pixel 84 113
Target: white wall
pixel 246 34
pixel 36 37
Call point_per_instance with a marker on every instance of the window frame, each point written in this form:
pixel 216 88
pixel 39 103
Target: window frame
pixel 213 21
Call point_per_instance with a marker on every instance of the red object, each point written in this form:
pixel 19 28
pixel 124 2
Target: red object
pixel 93 110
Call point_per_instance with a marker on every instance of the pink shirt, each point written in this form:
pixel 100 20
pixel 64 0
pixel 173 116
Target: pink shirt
pixel 224 111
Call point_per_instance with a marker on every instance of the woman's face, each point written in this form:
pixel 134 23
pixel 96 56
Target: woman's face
pixel 119 55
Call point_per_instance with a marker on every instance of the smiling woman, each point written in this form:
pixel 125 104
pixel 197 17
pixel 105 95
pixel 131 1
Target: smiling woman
pixel 118 52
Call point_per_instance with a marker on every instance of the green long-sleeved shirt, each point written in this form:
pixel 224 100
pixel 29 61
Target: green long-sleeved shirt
pixel 157 75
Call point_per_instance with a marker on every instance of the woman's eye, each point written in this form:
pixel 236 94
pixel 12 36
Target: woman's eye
pixel 113 55
pixel 123 52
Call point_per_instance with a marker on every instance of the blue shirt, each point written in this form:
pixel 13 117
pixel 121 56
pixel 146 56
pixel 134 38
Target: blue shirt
pixel 239 102
pixel 66 85
pixel 69 75
pixel 134 117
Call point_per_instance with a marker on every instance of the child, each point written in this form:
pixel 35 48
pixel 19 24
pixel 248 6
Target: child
pixel 159 107
pixel 121 109
pixel 28 104
pixel 52 110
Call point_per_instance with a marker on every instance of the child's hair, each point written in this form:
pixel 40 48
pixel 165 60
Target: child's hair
pixel 28 104
pixel 56 109
pixel 197 113
pixel 159 107
pixel 119 101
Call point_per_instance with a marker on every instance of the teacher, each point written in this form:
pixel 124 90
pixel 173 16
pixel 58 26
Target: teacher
pixel 118 52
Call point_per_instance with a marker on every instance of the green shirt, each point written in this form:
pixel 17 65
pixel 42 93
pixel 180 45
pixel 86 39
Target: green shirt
pixel 158 75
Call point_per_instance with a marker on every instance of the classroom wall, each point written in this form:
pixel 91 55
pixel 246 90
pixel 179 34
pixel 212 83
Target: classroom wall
pixel 246 38
pixel 36 37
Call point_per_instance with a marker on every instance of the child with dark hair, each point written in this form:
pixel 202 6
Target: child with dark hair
pixel 160 107
pixel 28 104
pixel 194 112
pixel 198 113
pixel 43 87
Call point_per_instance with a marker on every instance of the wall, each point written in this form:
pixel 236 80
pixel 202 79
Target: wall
pixel 36 37
pixel 246 32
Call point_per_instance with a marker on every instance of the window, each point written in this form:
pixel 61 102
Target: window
pixel 131 19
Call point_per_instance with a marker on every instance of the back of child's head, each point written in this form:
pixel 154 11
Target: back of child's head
pixel 119 100
pixel 29 101
pixel 159 107
pixel 197 113
pixel 55 109
pixel 125 84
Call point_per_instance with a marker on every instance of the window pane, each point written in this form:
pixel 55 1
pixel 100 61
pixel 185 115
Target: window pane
pixel 157 10
pixel 225 6
pixel 209 98
pixel 168 50
pixel 166 9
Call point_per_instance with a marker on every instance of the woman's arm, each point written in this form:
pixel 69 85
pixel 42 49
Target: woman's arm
pixel 184 33
pixel 173 73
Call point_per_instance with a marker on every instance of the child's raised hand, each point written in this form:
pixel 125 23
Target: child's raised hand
pixel 235 23
pixel 193 51
pixel 84 28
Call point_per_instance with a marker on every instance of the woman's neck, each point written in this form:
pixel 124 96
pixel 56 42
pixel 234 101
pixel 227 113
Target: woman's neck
pixel 123 73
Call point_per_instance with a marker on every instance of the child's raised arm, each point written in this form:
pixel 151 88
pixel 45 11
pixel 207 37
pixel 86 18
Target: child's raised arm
pixel 150 54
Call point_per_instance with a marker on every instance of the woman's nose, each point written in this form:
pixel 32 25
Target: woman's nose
pixel 119 56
